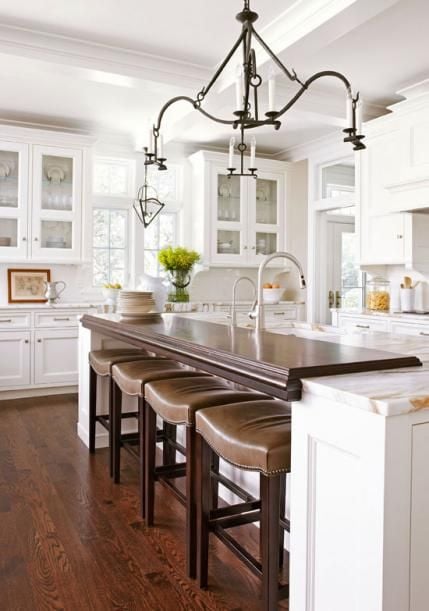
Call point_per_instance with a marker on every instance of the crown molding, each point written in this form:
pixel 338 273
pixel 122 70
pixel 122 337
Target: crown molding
pixel 79 53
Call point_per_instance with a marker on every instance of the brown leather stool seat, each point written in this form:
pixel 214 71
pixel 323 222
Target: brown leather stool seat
pixel 255 436
pixel 130 379
pixel 177 401
pixel 100 364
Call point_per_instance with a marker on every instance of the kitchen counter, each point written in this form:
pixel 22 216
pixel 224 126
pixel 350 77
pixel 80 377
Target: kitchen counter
pixel 359 497
pixel 46 306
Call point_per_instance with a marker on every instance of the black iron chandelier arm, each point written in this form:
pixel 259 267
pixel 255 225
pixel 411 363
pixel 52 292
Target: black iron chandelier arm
pixel 291 75
pixel 306 85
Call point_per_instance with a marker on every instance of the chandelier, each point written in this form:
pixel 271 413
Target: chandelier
pixel 147 205
pixel 247 114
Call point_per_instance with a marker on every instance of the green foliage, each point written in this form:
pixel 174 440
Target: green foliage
pixel 173 259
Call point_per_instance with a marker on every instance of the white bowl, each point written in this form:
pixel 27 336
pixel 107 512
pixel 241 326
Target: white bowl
pixel 272 295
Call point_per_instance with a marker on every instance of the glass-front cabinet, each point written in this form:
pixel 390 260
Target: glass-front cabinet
pixel 57 187
pixel 247 217
pixel 13 200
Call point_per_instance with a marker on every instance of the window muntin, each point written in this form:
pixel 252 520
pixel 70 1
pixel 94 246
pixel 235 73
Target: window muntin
pixel 161 233
pixel 113 177
pixel 110 242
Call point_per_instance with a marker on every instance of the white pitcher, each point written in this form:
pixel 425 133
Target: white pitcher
pixel 52 292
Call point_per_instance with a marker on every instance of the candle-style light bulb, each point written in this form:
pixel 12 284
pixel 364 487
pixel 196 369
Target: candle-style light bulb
pixel 253 152
pixel 271 90
pixel 359 116
pixel 150 140
pixel 161 147
pixel 349 110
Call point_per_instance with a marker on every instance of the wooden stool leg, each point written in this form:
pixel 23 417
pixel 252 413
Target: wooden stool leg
pixel 111 426
pixel 214 481
pixel 115 425
pixel 203 495
pixel 168 452
pixel 270 532
pixel 149 460
pixel 191 531
pixel 282 515
pixel 92 408
pixel 141 408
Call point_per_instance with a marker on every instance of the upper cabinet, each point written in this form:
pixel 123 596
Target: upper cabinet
pixel 41 198
pixel 57 198
pixel 237 220
pixel 13 200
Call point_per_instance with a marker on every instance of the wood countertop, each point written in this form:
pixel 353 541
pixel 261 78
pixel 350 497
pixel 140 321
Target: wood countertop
pixel 258 359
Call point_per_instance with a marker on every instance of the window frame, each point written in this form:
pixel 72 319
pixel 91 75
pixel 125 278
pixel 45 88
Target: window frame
pixel 109 248
pixel 120 161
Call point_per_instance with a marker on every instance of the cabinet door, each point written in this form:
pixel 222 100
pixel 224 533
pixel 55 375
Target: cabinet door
pixel 13 201
pixel 381 166
pixel 383 239
pixel 57 199
pixel 229 218
pixel 14 358
pixel 266 216
pixel 56 356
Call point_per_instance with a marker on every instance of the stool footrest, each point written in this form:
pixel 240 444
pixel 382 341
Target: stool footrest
pixel 236 520
pixel 104 420
pixel 180 496
pixel 238 550
pixel 237 490
pixel 170 471
pixel 232 510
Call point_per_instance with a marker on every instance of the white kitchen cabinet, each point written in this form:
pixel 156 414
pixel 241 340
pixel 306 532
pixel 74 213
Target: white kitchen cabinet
pixel 237 220
pixel 55 356
pixel 399 324
pixel 383 239
pixel 57 203
pixel 14 358
pixel 13 201
pixel 362 324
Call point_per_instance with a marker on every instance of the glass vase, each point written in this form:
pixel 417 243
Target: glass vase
pixel 179 282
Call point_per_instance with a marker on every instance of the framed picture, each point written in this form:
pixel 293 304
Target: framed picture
pixel 27 285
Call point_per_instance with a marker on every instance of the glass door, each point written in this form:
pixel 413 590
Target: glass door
pixel 266 221
pixel 57 192
pixel 229 219
pixel 13 200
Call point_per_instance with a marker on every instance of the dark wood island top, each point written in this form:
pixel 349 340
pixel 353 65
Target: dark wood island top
pixel 261 360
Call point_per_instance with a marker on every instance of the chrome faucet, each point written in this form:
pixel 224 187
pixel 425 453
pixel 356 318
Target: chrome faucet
pixel 257 312
pixel 234 291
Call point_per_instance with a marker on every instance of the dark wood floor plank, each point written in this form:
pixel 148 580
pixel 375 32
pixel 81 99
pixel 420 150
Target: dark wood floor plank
pixel 76 541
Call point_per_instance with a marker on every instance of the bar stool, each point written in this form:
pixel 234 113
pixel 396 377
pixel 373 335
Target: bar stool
pixel 255 436
pixel 100 364
pixel 130 379
pixel 177 401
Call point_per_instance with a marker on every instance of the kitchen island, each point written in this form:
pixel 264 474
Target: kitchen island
pixel 360 447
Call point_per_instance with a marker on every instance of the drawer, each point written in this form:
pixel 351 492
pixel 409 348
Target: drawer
pixel 404 328
pixel 281 314
pixel 362 324
pixel 56 319
pixel 19 320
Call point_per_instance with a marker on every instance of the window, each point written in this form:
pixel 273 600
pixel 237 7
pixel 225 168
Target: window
pixel 352 279
pixel 113 177
pixel 159 234
pixel 165 183
pixel 110 230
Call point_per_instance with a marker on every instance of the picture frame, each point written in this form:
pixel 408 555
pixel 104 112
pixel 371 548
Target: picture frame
pixel 27 285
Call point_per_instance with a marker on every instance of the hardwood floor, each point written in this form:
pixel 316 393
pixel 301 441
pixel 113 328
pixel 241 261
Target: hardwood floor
pixel 70 539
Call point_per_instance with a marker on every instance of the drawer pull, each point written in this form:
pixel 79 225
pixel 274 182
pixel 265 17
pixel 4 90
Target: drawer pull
pixel 363 326
pixel 279 313
pixel 58 318
pixel 26 341
pixel 6 320
pixel 423 333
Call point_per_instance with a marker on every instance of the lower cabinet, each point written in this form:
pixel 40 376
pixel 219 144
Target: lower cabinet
pixel 55 356
pixel 15 367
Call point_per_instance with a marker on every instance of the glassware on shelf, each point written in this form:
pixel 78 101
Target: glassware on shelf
pixel 378 295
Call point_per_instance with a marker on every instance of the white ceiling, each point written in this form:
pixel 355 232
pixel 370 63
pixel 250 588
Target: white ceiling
pixel 105 65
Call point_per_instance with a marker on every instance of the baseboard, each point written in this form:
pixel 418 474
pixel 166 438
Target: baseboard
pixel 101 439
pixel 25 393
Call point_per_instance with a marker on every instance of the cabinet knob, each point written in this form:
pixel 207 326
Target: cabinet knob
pixel 253 247
pixel 26 341
pixel 244 247
pixel 39 341
pixel 423 333
pixel 24 239
pixel 399 236
pixel 36 239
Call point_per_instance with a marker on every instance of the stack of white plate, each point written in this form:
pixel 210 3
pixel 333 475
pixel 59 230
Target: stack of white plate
pixel 136 305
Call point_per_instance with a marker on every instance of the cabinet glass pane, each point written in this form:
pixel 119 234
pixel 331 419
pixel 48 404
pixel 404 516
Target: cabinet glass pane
pixel 266 243
pixel 8 232
pixel 228 198
pixel 266 201
pixel 228 242
pixel 57 234
pixel 9 167
pixel 57 183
